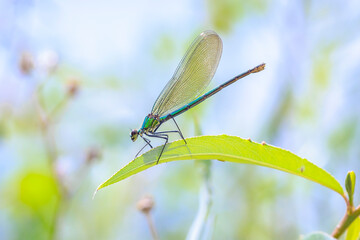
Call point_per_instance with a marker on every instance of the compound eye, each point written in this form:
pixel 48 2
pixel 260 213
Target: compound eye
pixel 134 134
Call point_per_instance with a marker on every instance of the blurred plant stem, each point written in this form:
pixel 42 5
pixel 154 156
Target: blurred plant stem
pixel 278 116
pixel 151 226
pixel 145 205
pixel 201 225
pixel 47 120
pixel 52 156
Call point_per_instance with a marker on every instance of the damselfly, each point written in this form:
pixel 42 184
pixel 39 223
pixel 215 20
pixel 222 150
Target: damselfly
pixel 181 93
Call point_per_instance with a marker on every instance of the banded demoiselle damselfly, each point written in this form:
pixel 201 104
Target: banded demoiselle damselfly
pixel 181 93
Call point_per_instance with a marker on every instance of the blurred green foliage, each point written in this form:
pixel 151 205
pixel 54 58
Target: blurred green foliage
pixel 38 191
pixel 342 137
pixel 164 49
pixel 225 14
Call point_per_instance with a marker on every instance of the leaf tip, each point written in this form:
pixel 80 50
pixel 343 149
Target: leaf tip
pixel 94 194
pixel 98 188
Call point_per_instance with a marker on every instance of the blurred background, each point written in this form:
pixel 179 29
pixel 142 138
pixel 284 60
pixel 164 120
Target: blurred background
pixel 76 76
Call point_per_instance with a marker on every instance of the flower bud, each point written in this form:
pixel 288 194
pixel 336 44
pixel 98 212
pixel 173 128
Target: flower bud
pixel 350 185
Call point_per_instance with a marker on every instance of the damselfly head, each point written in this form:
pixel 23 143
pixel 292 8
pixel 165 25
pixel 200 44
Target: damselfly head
pixel 134 134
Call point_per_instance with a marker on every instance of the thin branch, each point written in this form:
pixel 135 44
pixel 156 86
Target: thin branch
pixel 346 221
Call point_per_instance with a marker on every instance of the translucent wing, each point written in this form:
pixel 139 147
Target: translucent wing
pixel 192 75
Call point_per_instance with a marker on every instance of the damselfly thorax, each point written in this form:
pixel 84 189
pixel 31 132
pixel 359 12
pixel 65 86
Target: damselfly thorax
pixel 151 123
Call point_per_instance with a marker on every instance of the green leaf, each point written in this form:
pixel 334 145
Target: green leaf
pixel 353 232
pixel 231 149
pixel 317 236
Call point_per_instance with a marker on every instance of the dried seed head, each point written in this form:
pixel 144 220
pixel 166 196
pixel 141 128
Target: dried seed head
pixel 92 154
pixel 72 87
pixel 26 63
pixel 145 204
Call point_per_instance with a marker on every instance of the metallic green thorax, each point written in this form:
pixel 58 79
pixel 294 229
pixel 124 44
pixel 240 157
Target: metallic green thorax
pixel 151 122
